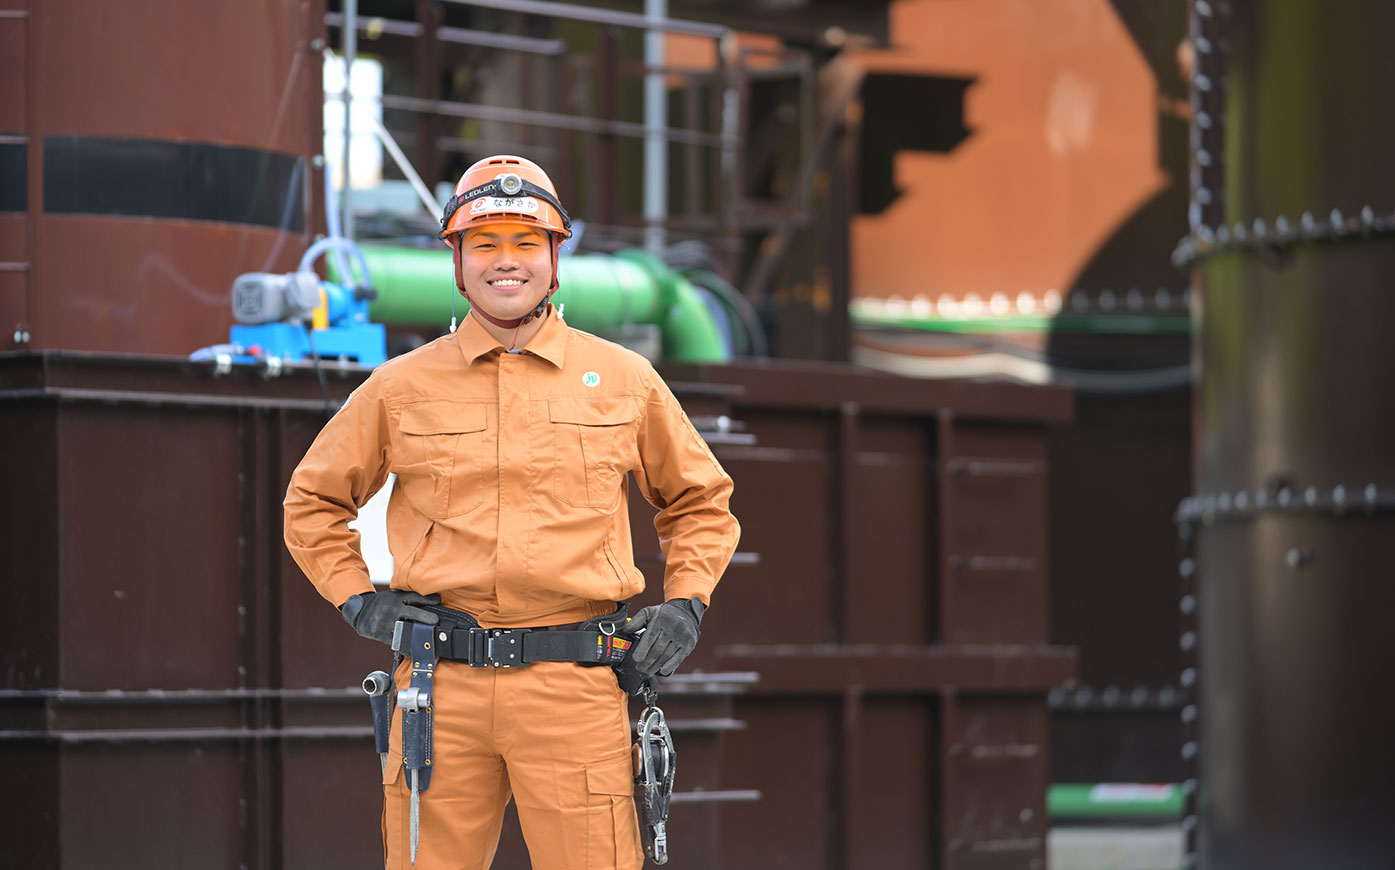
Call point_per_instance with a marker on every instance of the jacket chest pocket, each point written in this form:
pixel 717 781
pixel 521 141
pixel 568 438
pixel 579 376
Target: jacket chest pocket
pixel 593 446
pixel 442 458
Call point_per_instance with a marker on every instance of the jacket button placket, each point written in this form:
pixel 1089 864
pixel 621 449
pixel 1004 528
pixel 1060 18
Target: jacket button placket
pixel 513 478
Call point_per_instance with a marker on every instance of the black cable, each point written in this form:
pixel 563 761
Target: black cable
pixel 319 371
pixel 693 260
pixel 737 304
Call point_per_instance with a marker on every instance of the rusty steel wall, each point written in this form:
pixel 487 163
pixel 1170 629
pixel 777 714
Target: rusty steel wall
pixel 176 694
pixel 900 533
pixel 1118 470
pixel 172 144
pixel 1289 531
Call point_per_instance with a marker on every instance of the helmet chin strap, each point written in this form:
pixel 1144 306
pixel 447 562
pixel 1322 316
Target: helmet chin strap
pixel 539 311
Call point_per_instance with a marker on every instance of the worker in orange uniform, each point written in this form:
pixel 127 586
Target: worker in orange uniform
pixel 511 439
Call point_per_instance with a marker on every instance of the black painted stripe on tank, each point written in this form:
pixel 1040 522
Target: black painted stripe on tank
pixel 159 178
pixel 14 176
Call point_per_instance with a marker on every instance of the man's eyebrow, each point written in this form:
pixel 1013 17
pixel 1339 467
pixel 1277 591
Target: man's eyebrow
pixel 516 236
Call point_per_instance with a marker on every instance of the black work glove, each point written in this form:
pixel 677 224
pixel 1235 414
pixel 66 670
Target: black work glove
pixel 373 614
pixel 670 634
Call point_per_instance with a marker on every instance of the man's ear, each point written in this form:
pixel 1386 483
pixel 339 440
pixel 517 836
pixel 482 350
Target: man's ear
pixel 459 265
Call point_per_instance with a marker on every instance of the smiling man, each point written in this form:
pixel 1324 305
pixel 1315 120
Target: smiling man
pixel 512 440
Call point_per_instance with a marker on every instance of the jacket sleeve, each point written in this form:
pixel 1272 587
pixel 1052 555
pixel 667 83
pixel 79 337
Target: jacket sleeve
pixel 344 467
pixel 680 476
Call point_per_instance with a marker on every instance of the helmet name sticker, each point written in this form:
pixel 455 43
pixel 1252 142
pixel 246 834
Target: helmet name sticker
pixel 504 203
pixel 590 379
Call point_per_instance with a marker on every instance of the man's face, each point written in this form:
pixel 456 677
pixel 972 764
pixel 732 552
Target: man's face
pixel 507 268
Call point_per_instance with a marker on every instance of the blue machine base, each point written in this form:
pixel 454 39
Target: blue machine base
pixel 363 343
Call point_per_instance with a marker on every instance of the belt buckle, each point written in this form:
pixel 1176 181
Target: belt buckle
pixel 497 647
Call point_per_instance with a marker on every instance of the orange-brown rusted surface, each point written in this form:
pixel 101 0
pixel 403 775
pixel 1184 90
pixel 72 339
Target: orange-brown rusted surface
pixel 1063 149
pixel 222 75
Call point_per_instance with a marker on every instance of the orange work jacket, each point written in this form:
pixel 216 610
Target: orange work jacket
pixel 511 494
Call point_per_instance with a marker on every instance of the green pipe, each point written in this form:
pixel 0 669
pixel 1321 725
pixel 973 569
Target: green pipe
pixel 1114 800
pixel 690 334
pixel 416 286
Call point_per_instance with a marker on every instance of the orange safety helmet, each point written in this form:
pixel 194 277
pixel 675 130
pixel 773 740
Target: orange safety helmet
pixel 504 189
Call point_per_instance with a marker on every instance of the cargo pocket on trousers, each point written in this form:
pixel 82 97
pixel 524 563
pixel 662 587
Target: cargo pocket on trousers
pixel 612 829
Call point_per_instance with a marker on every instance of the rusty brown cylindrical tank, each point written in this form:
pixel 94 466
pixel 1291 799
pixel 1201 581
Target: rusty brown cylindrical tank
pixel 149 153
pixel 1291 527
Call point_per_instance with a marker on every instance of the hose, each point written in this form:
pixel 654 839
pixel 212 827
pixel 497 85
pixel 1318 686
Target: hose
pixel 339 244
pixel 738 304
pixel 694 261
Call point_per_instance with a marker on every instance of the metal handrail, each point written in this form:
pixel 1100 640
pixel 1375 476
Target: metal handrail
pixel 602 16
pixel 455 35
pixel 535 117
pixel 730 214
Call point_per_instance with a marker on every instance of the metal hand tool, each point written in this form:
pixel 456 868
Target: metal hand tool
pixel 416 702
pixel 657 763
pixel 376 685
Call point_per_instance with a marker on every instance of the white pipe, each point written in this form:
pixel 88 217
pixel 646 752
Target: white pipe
pixel 655 120
pixel 1029 371
pixel 332 221
pixel 350 32
pixel 433 207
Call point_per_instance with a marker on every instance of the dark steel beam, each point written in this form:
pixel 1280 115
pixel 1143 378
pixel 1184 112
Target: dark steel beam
pixel 726 796
pixel 428 76
pixel 829 669
pixel 536 118
pixel 173 735
pixel 792 383
pixel 155 400
pixel 455 35
pixel 573 12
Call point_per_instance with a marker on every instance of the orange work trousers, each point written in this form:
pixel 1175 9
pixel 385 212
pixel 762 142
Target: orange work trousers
pixel 554 736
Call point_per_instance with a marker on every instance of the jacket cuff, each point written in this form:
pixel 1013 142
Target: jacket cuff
pixel 342 587
pixel 687 587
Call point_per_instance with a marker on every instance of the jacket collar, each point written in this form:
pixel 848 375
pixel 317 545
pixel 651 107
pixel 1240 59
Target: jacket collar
pixel 550 343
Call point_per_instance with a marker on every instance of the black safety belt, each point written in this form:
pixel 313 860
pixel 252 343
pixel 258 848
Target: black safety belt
pixel 460 638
